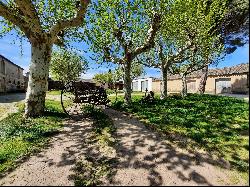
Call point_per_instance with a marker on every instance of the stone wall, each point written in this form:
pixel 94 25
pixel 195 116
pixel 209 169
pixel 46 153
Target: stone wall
pixel 11 76
pixel 239 84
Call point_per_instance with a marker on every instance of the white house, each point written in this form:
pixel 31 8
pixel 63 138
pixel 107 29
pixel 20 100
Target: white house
pixel 142 84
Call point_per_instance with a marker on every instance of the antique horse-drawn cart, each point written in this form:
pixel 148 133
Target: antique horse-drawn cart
pixel 75 95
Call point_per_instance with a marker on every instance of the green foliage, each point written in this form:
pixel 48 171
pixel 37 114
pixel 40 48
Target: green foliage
pixel 137 70
pixel 105 17
pixel 20 137
pixel 67 66
pixel 107 77
pixel 235 27
pixel 196 21
pixel 218 124
pixel 49 12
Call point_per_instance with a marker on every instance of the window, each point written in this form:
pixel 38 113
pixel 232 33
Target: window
pixel 18 73
pixel 135 86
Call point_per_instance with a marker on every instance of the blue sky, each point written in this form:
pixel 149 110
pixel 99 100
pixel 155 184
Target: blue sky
pixel 10 48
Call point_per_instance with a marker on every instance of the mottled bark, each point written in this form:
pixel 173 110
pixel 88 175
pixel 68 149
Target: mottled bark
pixel 38 78
pixel 203 80
pixel 127 82
pixel 184 86
pixel 164 91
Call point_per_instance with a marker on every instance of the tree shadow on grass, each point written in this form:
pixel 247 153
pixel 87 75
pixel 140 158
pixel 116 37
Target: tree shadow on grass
pixel 209 121
pixel 143 149
pixel 71 138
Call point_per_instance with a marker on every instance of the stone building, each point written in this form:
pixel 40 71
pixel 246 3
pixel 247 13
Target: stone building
pixel 220 80
pixel 11 76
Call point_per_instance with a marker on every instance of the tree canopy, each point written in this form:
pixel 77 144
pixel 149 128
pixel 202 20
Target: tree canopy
pixel 118 31
pixel 67 65
pixel 59 19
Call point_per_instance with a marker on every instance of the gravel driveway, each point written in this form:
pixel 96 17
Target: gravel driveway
pixel 8 103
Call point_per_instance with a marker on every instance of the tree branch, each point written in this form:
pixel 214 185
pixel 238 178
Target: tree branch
pixel 111 58
pixel 74 22
pixel 120 38
pixel 196 68
pixel 177 57
pixel 149 43
pixel 7 13
pixel 30 14
pixel 150 64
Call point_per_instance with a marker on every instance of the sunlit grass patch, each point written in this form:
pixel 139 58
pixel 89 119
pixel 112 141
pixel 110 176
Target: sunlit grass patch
pixel 54 92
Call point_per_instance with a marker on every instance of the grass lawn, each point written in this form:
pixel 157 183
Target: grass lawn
pixel 217 124
pixel 54 92
pixel 20 137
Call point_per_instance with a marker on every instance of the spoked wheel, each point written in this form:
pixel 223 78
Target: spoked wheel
pixel 70 101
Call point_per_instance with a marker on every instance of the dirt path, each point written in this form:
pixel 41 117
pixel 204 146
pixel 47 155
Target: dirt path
pixel 53 165
pixel 145 159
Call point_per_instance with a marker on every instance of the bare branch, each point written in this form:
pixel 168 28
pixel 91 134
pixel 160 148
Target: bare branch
pixel 149 43
pixel 74 22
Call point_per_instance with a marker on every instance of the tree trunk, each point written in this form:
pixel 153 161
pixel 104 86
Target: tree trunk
pixel 127 82
pixel 38 79
pixel 164 90
pixel 184 86
pixel 203 80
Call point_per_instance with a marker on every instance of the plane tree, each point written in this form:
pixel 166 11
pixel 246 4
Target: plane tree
pixel 118 31
pixel 187 32
pixel 44 23
pixel 67 66
pixel 233 30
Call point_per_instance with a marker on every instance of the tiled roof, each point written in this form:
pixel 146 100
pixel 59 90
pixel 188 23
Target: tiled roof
pixel 87 80
pixel 238 69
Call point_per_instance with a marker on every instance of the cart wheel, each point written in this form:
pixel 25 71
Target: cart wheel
pixel 69 101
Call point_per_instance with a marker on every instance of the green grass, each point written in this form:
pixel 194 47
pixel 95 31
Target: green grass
pixel 94 168
pixel 217 124
pixel 54 92
pixel 20 137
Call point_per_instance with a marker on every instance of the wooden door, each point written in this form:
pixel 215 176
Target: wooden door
pixel 191 86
